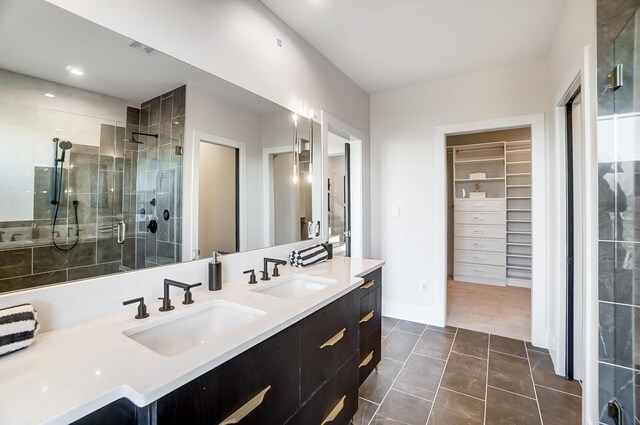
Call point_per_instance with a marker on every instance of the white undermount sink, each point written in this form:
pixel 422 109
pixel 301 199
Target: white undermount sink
pixel 294 286
pixel 176 336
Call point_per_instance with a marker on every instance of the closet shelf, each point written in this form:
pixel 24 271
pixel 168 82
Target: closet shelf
pixel 509 186
pixel 518 197
pixel 479 161
pixel 518 174
pixel 518 150
pixel 519 267
pixel 518 244
pixel 518 162
pixel 518 221
pixel 518 255
pixel 488 179
pixel 518 209
pixel 518 233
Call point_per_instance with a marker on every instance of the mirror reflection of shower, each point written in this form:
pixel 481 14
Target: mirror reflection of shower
pixel 58 178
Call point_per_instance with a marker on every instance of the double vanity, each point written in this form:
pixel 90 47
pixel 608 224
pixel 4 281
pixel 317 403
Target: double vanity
pixel 293 350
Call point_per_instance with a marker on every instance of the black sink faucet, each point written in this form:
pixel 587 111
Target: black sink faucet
pixel 188 298
pixel 276 263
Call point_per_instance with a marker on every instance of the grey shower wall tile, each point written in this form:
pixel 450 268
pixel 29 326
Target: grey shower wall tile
pixel 48 258
pixel 154 111
pixel 627 203
pixel 133 115
pixel 129 253
pixel 140 253
pixel 93 271
pixel 179 101
pixel 87 213
pixel 43 193
pixel 616 382
pixel 619 272
pixel 150 248
pixel 624 50
pixel 108 250
pixel 31 281
pixel 166 253
pixel 618 330
pixel 144 116
pixel 83 174
pixel 166 107
pixel 107 146
pixel 15 262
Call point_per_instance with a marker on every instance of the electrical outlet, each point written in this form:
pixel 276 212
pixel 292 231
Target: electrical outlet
pixel 424 285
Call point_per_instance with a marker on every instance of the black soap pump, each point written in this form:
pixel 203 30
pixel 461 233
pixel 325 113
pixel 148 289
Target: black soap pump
pixel 215 273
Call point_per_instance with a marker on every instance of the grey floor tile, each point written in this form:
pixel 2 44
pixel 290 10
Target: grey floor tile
pixel 403 408
pixel 388 323
pixel 544 374
pixel 450 329
pixel 378 383
pixel 366 411
pixel 420 376
pixel 472 343
pixel 435 344
pixel 466 375
pixel 515 347
pixel 411 327
pixel 534 348
pixel 504 408
pixel 559 408
pixel 398 345
pixel 510 373
pixel 452 408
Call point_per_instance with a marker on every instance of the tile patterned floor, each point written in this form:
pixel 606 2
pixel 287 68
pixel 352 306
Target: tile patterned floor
pixel 450 376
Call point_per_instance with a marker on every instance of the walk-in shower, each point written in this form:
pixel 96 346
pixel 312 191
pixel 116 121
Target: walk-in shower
pixel 58 178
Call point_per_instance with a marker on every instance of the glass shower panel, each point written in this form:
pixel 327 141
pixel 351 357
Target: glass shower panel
pixel 619 224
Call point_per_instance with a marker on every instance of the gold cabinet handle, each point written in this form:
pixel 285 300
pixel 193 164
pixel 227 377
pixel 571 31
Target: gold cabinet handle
pixel 334 339
pixel 367 317
pixel 335 412
pixel 367 360
pixel 249 407
pixel 368 284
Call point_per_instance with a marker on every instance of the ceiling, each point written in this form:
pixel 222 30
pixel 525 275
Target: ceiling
pixel 385 44
pixel 110 66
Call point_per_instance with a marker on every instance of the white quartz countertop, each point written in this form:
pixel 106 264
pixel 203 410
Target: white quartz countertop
pixel 70 372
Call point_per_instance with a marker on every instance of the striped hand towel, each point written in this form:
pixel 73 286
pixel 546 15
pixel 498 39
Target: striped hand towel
pixel 308 256
pixel 18 327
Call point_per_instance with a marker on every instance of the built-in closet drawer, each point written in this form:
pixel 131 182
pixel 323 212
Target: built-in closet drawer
pixel 475 231
pixel 327 339
pixel 480 205
pixel 476 244
pixel 481 271
pixel 336 402
pixel 480 257
pixel 489 218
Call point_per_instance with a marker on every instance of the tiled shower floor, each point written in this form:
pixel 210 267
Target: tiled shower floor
pixel 456 376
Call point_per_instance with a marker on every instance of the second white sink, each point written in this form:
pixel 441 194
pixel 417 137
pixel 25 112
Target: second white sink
pixel 295 286
pixel 176 336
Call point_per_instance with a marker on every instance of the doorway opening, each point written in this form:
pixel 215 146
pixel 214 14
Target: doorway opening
pixel 489 232
pixel 338 194
pixel 218 206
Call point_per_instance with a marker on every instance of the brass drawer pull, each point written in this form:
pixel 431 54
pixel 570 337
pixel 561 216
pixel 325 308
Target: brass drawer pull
pixel 335 412
pixel 334 339
pixel 249 407
pixel 367 317
pixel 367 360
pixel 368 284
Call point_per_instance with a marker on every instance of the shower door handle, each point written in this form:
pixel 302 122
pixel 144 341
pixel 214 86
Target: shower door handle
pixel 122 228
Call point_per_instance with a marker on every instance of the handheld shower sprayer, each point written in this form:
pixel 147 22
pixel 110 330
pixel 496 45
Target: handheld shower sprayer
pixel 65 145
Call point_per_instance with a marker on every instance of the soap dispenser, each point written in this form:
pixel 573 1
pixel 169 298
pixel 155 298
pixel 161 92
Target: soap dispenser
pixel 215 273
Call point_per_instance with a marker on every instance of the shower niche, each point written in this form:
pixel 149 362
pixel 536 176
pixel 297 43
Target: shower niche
pixel 94 183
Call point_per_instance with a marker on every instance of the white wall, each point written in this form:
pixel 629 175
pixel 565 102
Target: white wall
pixel 408 171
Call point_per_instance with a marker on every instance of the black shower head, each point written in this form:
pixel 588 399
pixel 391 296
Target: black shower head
pixel 65 145
pixel 134 140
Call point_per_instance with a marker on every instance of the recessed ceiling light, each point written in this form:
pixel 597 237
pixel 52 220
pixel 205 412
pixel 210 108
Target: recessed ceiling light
pixel 74 70
pixel 50 95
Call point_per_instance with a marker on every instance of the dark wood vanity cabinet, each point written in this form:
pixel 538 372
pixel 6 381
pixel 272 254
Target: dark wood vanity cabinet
pixel 306 374
pixel 370 323
pixel 259 386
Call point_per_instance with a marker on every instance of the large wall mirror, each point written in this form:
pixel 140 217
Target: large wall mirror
pixel 117 157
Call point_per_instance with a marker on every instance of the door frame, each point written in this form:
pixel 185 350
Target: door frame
pixel 241 203
pixel 540 249
pixel 355 138
pixel 268 209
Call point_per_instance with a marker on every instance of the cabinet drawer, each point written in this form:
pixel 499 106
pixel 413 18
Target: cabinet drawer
pixel 336 402
pixel 372 281
pixel 478 231
pixel 478 270
pixel 485 245
pixel 121 412
pixel 327 339
pixel 370 353
pixel 370 316
pixel 259 386
pixel 495 218
pixel 480 257
pixel 480 205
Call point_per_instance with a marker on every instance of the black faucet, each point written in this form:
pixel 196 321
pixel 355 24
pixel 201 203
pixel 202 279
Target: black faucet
pixel 142 307
pixel 276 263
pixel 188 297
